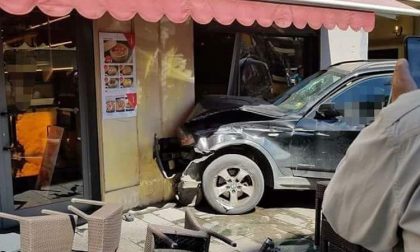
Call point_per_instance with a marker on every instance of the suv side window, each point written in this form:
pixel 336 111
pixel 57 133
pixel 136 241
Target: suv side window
pixel 360 103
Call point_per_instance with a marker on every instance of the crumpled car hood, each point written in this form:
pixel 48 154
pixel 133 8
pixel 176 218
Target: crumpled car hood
pixel 215 104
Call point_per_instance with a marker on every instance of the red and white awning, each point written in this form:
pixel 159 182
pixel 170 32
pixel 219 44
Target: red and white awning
pixel 246 12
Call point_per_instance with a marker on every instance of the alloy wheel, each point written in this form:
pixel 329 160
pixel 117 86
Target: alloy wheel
pixel 233 187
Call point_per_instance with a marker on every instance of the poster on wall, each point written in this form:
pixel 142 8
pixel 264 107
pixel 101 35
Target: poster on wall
pixel 118 75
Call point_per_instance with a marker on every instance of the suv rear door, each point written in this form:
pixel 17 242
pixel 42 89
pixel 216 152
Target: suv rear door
pixel 321 140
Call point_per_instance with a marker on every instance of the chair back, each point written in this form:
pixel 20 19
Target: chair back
pixel 172 238
pixel 50 233
pixel 192 223
pixel 104 228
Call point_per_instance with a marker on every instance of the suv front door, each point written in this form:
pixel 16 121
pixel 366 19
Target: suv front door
pixel 322 137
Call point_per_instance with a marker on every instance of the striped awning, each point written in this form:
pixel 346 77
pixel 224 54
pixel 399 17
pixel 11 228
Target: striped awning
pixel 314 13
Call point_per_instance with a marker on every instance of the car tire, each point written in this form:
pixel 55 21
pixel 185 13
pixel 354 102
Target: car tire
pixel 233 184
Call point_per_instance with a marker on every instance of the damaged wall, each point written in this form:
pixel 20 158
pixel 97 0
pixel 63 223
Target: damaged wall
pixel 165 90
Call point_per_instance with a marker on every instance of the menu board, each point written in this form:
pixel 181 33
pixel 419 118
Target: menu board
pixel 118 75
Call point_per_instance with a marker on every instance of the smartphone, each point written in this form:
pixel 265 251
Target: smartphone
pixel 412 54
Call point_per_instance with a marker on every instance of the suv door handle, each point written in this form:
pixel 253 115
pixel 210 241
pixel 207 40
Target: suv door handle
pixel 306 132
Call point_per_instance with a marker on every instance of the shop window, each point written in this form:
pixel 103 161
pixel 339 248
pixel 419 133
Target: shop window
pixel 383 54
pixel 212 63
pixel 252 61
pixel 42 95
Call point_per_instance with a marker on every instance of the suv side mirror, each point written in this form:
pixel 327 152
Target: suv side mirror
pixel 327 111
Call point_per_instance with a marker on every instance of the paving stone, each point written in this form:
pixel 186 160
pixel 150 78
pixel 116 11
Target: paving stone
pixel 153 219
pixel 134 231
pixel 248 230
pixel 246 244
pixel 309 213
pixel 80 241
pixel 170 214
pixel 10 242
pixel 305 231
pixel 217 246
pixel 263 231
pixel 128 246
pixel 169 205
pixel 290 219
pixel 199 213
pixel 210 225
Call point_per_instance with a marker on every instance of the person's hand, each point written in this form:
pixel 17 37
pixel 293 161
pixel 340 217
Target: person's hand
pixel 402 82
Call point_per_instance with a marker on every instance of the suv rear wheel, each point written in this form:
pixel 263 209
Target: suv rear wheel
pixel 233 184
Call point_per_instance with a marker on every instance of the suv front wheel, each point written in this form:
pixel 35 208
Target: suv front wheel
pixel 233 184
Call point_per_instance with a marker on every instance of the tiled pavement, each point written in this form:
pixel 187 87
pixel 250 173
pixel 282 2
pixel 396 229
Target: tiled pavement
pixel 288 218
pixel 249 230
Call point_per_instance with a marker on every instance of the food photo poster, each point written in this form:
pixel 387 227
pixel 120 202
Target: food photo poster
pixel 118 75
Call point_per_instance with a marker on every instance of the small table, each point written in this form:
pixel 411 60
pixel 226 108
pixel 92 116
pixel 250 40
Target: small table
pixel 321 186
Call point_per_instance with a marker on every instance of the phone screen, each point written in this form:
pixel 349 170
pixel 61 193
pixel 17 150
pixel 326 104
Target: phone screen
pixel 412 51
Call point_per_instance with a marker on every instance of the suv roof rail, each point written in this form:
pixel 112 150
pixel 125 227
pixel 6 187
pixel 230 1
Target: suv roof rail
pixel 370 61
pixel 377 63
pixel 348 61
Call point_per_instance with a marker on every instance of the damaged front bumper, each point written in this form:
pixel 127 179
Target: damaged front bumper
pixel 183 164
pixel 168 154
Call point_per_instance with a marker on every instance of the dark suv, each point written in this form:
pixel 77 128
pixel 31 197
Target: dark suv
pixel 231 148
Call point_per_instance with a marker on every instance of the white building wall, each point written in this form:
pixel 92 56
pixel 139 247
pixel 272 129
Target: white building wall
pixel 338 45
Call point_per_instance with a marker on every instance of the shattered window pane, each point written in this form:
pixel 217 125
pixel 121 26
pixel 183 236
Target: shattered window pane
pixel 310 92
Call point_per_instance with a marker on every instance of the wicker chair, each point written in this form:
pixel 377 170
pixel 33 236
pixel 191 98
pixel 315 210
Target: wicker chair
pixel 104 225
pixel 47 233
pixel 170 238
pixel 331 241
pixel 192 223
pixel 325 236
pixel 193 237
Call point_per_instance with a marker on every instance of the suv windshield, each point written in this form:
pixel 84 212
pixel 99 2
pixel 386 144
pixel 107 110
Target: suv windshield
pixel 310 90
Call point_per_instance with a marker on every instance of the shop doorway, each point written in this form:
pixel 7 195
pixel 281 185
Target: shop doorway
pixel 48 131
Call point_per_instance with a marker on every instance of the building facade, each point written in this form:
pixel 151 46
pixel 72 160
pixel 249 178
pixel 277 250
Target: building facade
pixel 57 90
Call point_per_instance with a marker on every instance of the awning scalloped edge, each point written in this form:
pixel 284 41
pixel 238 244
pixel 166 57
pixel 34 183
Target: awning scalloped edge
pixel 202 11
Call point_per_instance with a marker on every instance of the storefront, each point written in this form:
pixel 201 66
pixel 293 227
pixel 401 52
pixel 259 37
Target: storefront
pixel 386 41
pixel 48 121
pixel 82 92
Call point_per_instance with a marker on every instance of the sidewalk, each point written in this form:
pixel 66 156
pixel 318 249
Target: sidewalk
pixel 283 216
pixel 249 231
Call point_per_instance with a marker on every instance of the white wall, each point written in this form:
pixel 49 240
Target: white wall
pixel 338 45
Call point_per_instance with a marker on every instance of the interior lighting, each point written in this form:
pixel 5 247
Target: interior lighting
pixel 47 22
pixel 398 30
pixel 61 44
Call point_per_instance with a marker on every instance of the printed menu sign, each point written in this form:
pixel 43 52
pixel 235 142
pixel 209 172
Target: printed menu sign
pixel 118 75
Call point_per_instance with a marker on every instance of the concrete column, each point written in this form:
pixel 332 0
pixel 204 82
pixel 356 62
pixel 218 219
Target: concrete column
pixel 338 45
pixel 165 95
